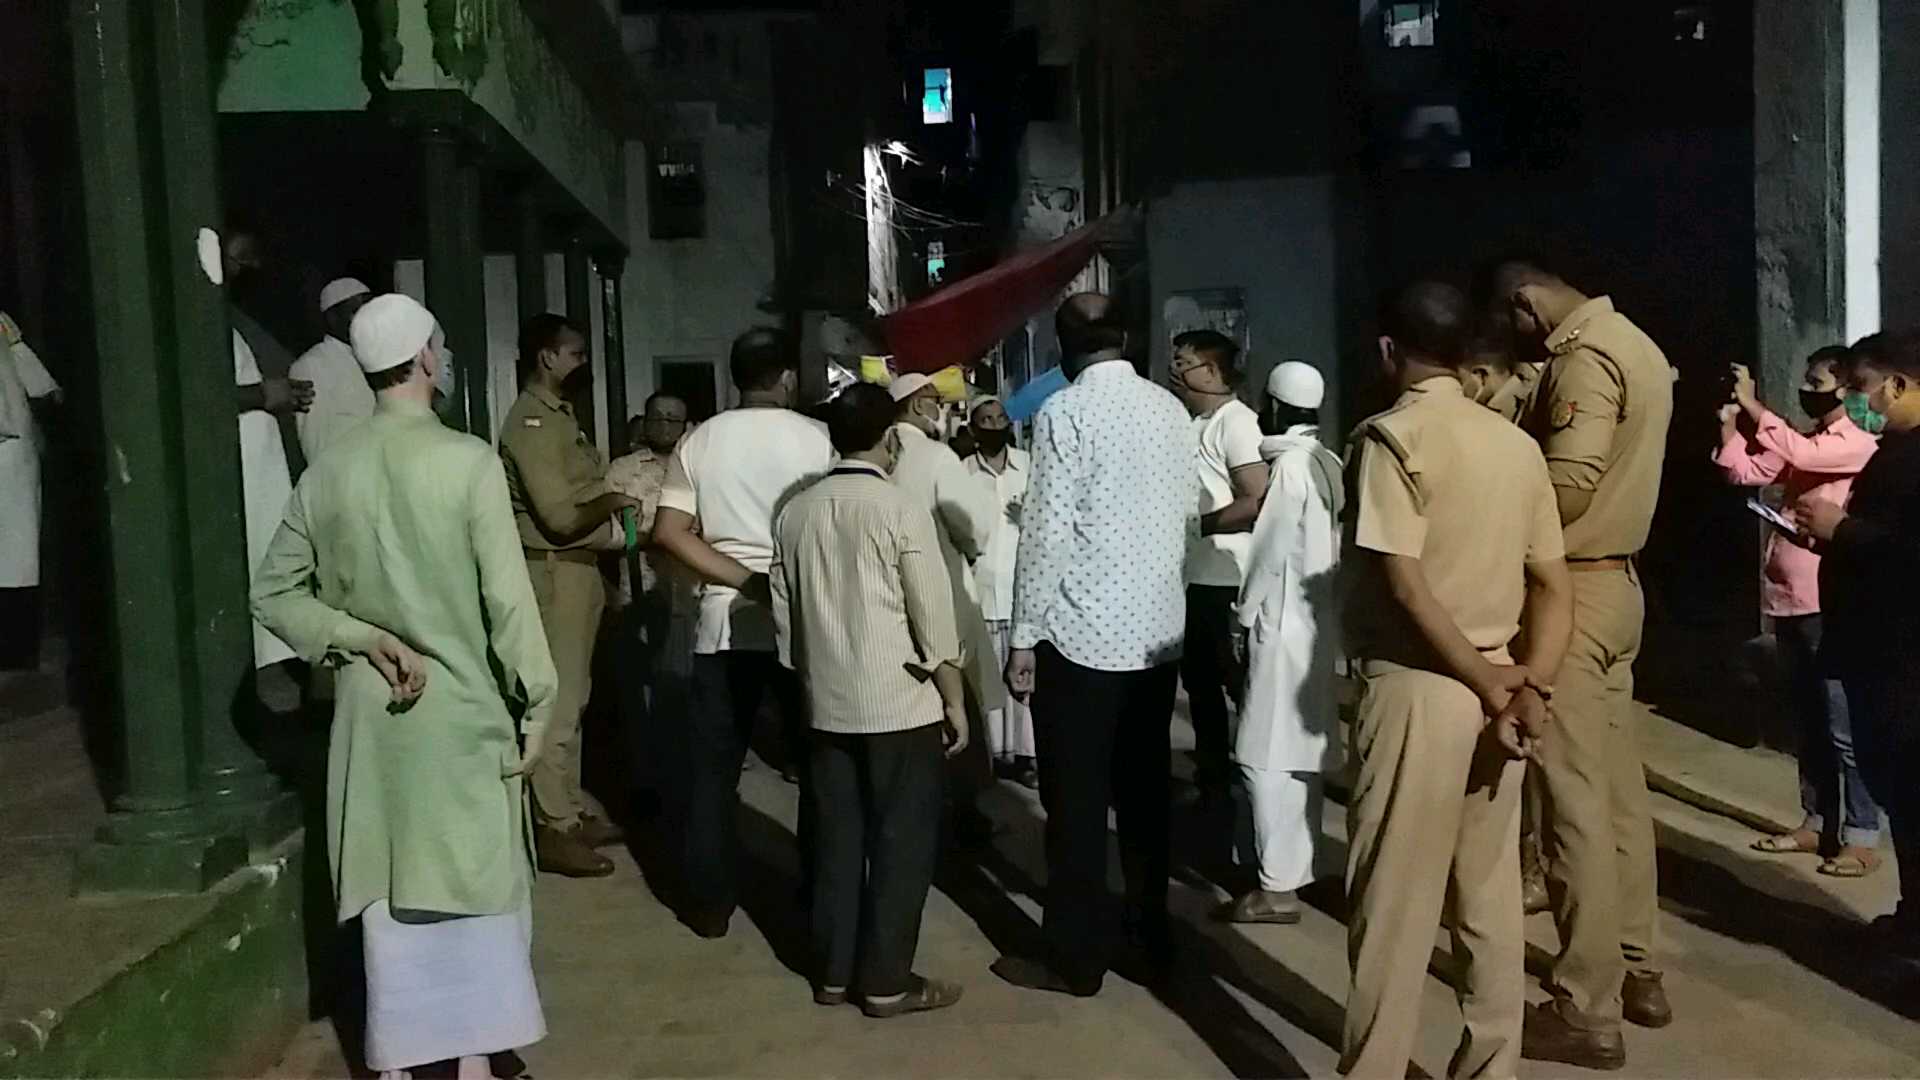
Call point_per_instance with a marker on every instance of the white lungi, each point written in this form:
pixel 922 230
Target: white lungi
pixel 454 988
pixel 1010 727
pixel 1286 824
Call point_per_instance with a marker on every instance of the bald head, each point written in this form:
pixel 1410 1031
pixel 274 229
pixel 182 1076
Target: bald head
pixel 1088 323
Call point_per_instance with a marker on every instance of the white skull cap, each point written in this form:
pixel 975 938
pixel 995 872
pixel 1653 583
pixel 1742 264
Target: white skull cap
pixel 339 289
pixel 905 386
pixel 389 331
pixel 1297 383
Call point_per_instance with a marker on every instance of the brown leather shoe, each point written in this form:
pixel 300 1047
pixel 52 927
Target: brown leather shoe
pixel 568 854
pixel 1643 1000
pixel 598 832
pixel 1546 1036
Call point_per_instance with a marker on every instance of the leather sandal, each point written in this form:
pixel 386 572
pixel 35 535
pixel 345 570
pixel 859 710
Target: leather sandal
pixel 927 995
pixel 1799 841
pixel 1852 862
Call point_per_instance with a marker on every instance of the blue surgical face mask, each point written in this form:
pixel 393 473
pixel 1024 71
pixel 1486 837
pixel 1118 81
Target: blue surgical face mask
pixel 444 378
pixel 1860 411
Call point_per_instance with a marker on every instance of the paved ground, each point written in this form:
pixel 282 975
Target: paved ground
pixel 1766 969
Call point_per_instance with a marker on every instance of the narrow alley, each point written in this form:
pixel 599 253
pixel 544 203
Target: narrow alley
pixel 1766 974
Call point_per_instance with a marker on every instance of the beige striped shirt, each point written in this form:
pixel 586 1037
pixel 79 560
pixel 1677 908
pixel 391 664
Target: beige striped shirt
pixel 861 603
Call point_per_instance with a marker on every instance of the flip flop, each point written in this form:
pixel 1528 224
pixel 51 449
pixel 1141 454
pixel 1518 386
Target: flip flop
pixel 1796 842
pixel 1852 862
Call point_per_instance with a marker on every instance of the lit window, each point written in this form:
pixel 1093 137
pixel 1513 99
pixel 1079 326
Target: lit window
pixel 1691 23
pixel 936 262
pixel 1411 25
pixel 677 193
pixel 936 99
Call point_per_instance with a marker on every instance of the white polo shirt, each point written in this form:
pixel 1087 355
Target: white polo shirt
pixel 1229 439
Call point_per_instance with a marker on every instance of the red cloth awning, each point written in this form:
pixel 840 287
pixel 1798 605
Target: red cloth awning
pixel 958 324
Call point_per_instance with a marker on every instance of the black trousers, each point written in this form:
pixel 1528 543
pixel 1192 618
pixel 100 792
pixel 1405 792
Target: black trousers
pixel 1208 670
pixel 877 803
pixel 1103 740
pixel 728 689
pixel 1886 739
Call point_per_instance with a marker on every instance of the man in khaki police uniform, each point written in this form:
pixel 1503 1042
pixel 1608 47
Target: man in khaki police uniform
pixel 1458 620
pixel 1494 378
pixel 1600 413
pixel 566 514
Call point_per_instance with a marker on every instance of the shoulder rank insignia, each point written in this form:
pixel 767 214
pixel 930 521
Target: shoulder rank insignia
pixel 531 421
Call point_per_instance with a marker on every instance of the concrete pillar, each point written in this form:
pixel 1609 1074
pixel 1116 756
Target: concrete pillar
pixel 610 266
pixel 530 255
pixel 159 836
pixel 237 781
pixel 456 285
pixel 1899 145
pixel 580 309
pixel 1799 149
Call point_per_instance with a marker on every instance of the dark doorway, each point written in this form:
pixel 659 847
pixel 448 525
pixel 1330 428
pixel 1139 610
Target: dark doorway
pixel 690 380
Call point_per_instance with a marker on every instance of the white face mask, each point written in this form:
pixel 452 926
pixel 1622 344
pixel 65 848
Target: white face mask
pixel 444 379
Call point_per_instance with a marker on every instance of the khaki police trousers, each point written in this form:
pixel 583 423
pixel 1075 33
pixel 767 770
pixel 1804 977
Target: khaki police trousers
pixel 571 596
pixel 1433 823
pixel 1597 829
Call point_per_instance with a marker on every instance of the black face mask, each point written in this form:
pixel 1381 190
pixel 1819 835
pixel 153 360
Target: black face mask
pixel 577 379
pixel 991 441
pixel 1818 403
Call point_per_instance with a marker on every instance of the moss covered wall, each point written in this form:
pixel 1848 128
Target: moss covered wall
pixel 319 55
pixel 293 56
pixel 489 50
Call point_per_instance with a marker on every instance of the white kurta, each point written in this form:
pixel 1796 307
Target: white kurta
pixel 1287 608
pixel 265 484
pixel 964 511
pixel 342 399
pixel 22 379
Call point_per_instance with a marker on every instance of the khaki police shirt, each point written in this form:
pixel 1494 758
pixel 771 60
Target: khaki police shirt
pixel 553 472
pixel 1601 415
pixel 1515 397
pixel 1444 480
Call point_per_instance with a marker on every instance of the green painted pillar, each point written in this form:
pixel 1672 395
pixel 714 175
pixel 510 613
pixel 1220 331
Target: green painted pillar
pixel 456 288
pixel 530 254
pixel 237 782
pixel 611 266
pixel 580 310
pixel 158 838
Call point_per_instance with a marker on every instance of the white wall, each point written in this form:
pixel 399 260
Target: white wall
pixel 691 298
pixel 1273 239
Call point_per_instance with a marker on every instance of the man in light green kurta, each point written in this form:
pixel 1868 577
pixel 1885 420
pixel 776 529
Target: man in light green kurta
pixel 399 561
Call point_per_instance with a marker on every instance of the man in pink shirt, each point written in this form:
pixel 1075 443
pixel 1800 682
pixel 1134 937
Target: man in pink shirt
pixel 1758 448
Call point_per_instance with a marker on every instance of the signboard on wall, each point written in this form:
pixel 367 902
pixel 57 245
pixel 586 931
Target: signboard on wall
pixel 1224 310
